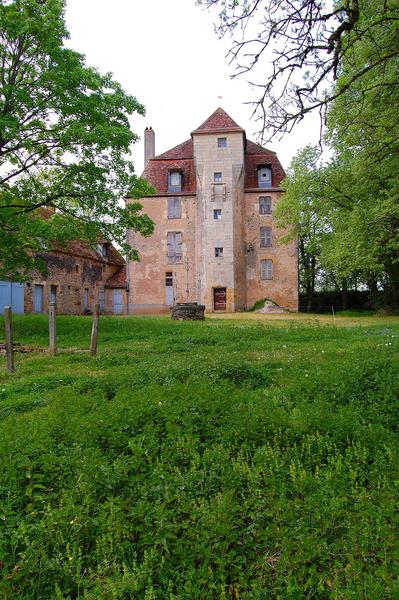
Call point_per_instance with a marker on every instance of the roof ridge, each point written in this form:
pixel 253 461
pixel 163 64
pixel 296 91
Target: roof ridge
pixel 218 120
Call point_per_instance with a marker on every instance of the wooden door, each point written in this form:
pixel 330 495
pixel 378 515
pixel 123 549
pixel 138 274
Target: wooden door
pixel 219 298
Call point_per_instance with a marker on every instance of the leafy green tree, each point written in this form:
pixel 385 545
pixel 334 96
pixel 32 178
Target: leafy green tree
pixel 302 213
pixel 64 141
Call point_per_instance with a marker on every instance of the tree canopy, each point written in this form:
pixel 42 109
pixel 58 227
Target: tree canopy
pixel 297 52
pixel 64 141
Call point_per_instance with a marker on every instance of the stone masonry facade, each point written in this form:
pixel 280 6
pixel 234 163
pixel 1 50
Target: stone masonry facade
pixel 77 278
pixel 215 240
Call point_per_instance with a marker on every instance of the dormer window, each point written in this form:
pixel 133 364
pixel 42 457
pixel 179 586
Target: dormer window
pixel 264 177
pixel 102 250
pixel 174 181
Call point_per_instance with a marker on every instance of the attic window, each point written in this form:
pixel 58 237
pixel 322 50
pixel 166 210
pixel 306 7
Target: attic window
pixel 222 142
pixel 174 181
pixel 264 176
pixel 102 250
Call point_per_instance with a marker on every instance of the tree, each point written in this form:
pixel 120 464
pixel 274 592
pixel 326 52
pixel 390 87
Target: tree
pixel 64 141
pixel 296 51
pixel 302 213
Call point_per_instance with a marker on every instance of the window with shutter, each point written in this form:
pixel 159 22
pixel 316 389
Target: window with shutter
pixel 174 181
pixel 265 237
pixel 264 177
pixel 265 205
pixel 266 269
pixel 174 247
pixel 174 208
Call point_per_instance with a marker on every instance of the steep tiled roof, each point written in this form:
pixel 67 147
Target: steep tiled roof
pixel 156 172
pixel 219 121
pixel 256 155
pixel 84 250
pixel 253 148
pixel 118 279
pixel 184 150
pixel 181 158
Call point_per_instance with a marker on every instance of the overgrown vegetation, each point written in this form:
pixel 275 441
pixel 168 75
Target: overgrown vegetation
pixel 234 459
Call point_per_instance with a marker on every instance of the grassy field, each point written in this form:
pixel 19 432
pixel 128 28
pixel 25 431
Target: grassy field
pixel 250 457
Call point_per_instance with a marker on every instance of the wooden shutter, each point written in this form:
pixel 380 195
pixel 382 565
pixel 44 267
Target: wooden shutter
pixel 178 246
pixel 265 205
pixel 266 269
pixel 174 246
pixel 174 208
pixel 265 237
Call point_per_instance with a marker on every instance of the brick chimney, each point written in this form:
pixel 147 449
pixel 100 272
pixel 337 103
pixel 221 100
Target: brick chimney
pixel 149 144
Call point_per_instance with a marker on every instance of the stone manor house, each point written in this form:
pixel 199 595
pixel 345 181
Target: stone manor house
pixel 215 240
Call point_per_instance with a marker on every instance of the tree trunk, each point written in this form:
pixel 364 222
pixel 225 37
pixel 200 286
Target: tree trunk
pixel 344 294
pixel 392 290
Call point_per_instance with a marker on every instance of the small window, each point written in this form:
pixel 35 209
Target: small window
pixel 264 177
pixel 174 181
pixel 174 245
pixel 222 142
pixel 266 269
pixel 174 208
pixel 77 268
pixel 53 293
pixel 265 205
pixel 217 214
pixel 169 279
pixel 86 299
pixel 101 299
pixel 218 252
pixel 102 250
pixel 265 237
pixel 217 177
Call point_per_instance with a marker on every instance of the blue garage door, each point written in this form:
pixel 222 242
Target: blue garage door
pixel 12 294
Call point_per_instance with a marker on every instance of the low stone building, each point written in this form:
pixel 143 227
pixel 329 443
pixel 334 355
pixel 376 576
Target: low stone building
pixel 78 277
pixel 215 240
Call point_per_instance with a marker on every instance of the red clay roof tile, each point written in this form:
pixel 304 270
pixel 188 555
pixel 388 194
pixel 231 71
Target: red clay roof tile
pixel 218 120
pixel 184 150
pixel 117 280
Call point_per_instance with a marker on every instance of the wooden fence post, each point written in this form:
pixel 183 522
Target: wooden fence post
pixel 9 341
pixel 52 329
pixel 94 330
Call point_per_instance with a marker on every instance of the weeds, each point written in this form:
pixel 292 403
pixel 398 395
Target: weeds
pixel 223 459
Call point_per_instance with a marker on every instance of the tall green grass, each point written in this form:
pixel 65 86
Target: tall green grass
pixel 223 459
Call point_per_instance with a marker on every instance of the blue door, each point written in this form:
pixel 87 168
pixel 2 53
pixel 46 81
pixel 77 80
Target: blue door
pixel 118 302
pixel 12 294
pixel 38 298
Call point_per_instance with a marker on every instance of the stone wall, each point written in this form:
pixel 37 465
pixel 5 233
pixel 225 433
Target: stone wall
pixel 283 288
pixel 71 276
pixel 147 277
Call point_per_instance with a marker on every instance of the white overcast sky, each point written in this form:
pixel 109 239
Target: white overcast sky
pixel 167 55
